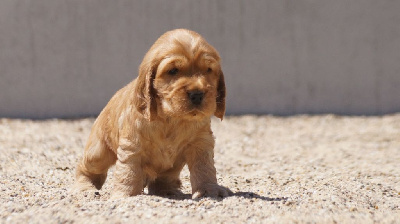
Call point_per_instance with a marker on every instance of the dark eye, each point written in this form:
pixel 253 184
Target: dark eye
pixel 209 70
pixel 173 71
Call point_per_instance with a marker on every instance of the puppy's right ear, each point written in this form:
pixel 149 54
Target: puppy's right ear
pixel 145 101
pixel 221 90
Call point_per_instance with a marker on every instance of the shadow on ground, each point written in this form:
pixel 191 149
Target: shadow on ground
pixel 248 195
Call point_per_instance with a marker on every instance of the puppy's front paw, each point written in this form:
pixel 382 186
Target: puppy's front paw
pixel 119 193
pixel 212 190
pixel 82 186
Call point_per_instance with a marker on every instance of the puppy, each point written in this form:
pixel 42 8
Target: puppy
pixel 158 123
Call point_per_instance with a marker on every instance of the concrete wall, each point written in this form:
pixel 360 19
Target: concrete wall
pixel 65 58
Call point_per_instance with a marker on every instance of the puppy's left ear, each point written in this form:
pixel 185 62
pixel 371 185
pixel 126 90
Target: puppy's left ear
pixel 221 93
pixel 145 94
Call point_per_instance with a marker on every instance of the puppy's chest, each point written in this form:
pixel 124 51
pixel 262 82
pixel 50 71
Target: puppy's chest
pixel 171 141
pixel 165 145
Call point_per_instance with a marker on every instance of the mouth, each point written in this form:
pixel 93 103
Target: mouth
pixel 196 113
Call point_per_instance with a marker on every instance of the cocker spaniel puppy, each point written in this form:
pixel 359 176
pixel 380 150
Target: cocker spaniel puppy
pixel 159 122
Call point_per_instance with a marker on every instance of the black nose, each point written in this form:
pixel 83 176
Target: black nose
pixel 196 97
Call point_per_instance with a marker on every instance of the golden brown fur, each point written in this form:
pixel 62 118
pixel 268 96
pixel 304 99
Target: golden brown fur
pixel 159 122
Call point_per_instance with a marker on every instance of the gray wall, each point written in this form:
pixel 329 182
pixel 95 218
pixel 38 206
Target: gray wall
pixel 65 58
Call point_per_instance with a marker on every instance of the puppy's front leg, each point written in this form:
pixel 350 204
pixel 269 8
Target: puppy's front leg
pixel 128 173
pixel 200 160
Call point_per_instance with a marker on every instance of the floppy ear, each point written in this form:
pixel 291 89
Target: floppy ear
pixel 221 91
pixel 145 101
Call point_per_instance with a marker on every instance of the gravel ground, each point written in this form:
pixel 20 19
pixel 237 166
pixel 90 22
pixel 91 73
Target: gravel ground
pixel 317 169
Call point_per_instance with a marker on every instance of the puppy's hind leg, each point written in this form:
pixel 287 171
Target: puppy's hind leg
pixel 91 171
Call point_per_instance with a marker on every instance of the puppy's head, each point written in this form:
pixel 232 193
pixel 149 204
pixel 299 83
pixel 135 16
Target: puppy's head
pixel 181 76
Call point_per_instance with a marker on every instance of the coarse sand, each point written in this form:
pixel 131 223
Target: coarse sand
pixel 299 169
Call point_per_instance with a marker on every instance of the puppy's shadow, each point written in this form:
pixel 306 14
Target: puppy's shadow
pixel 248 195
pixel 180 197
pixel 251 195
